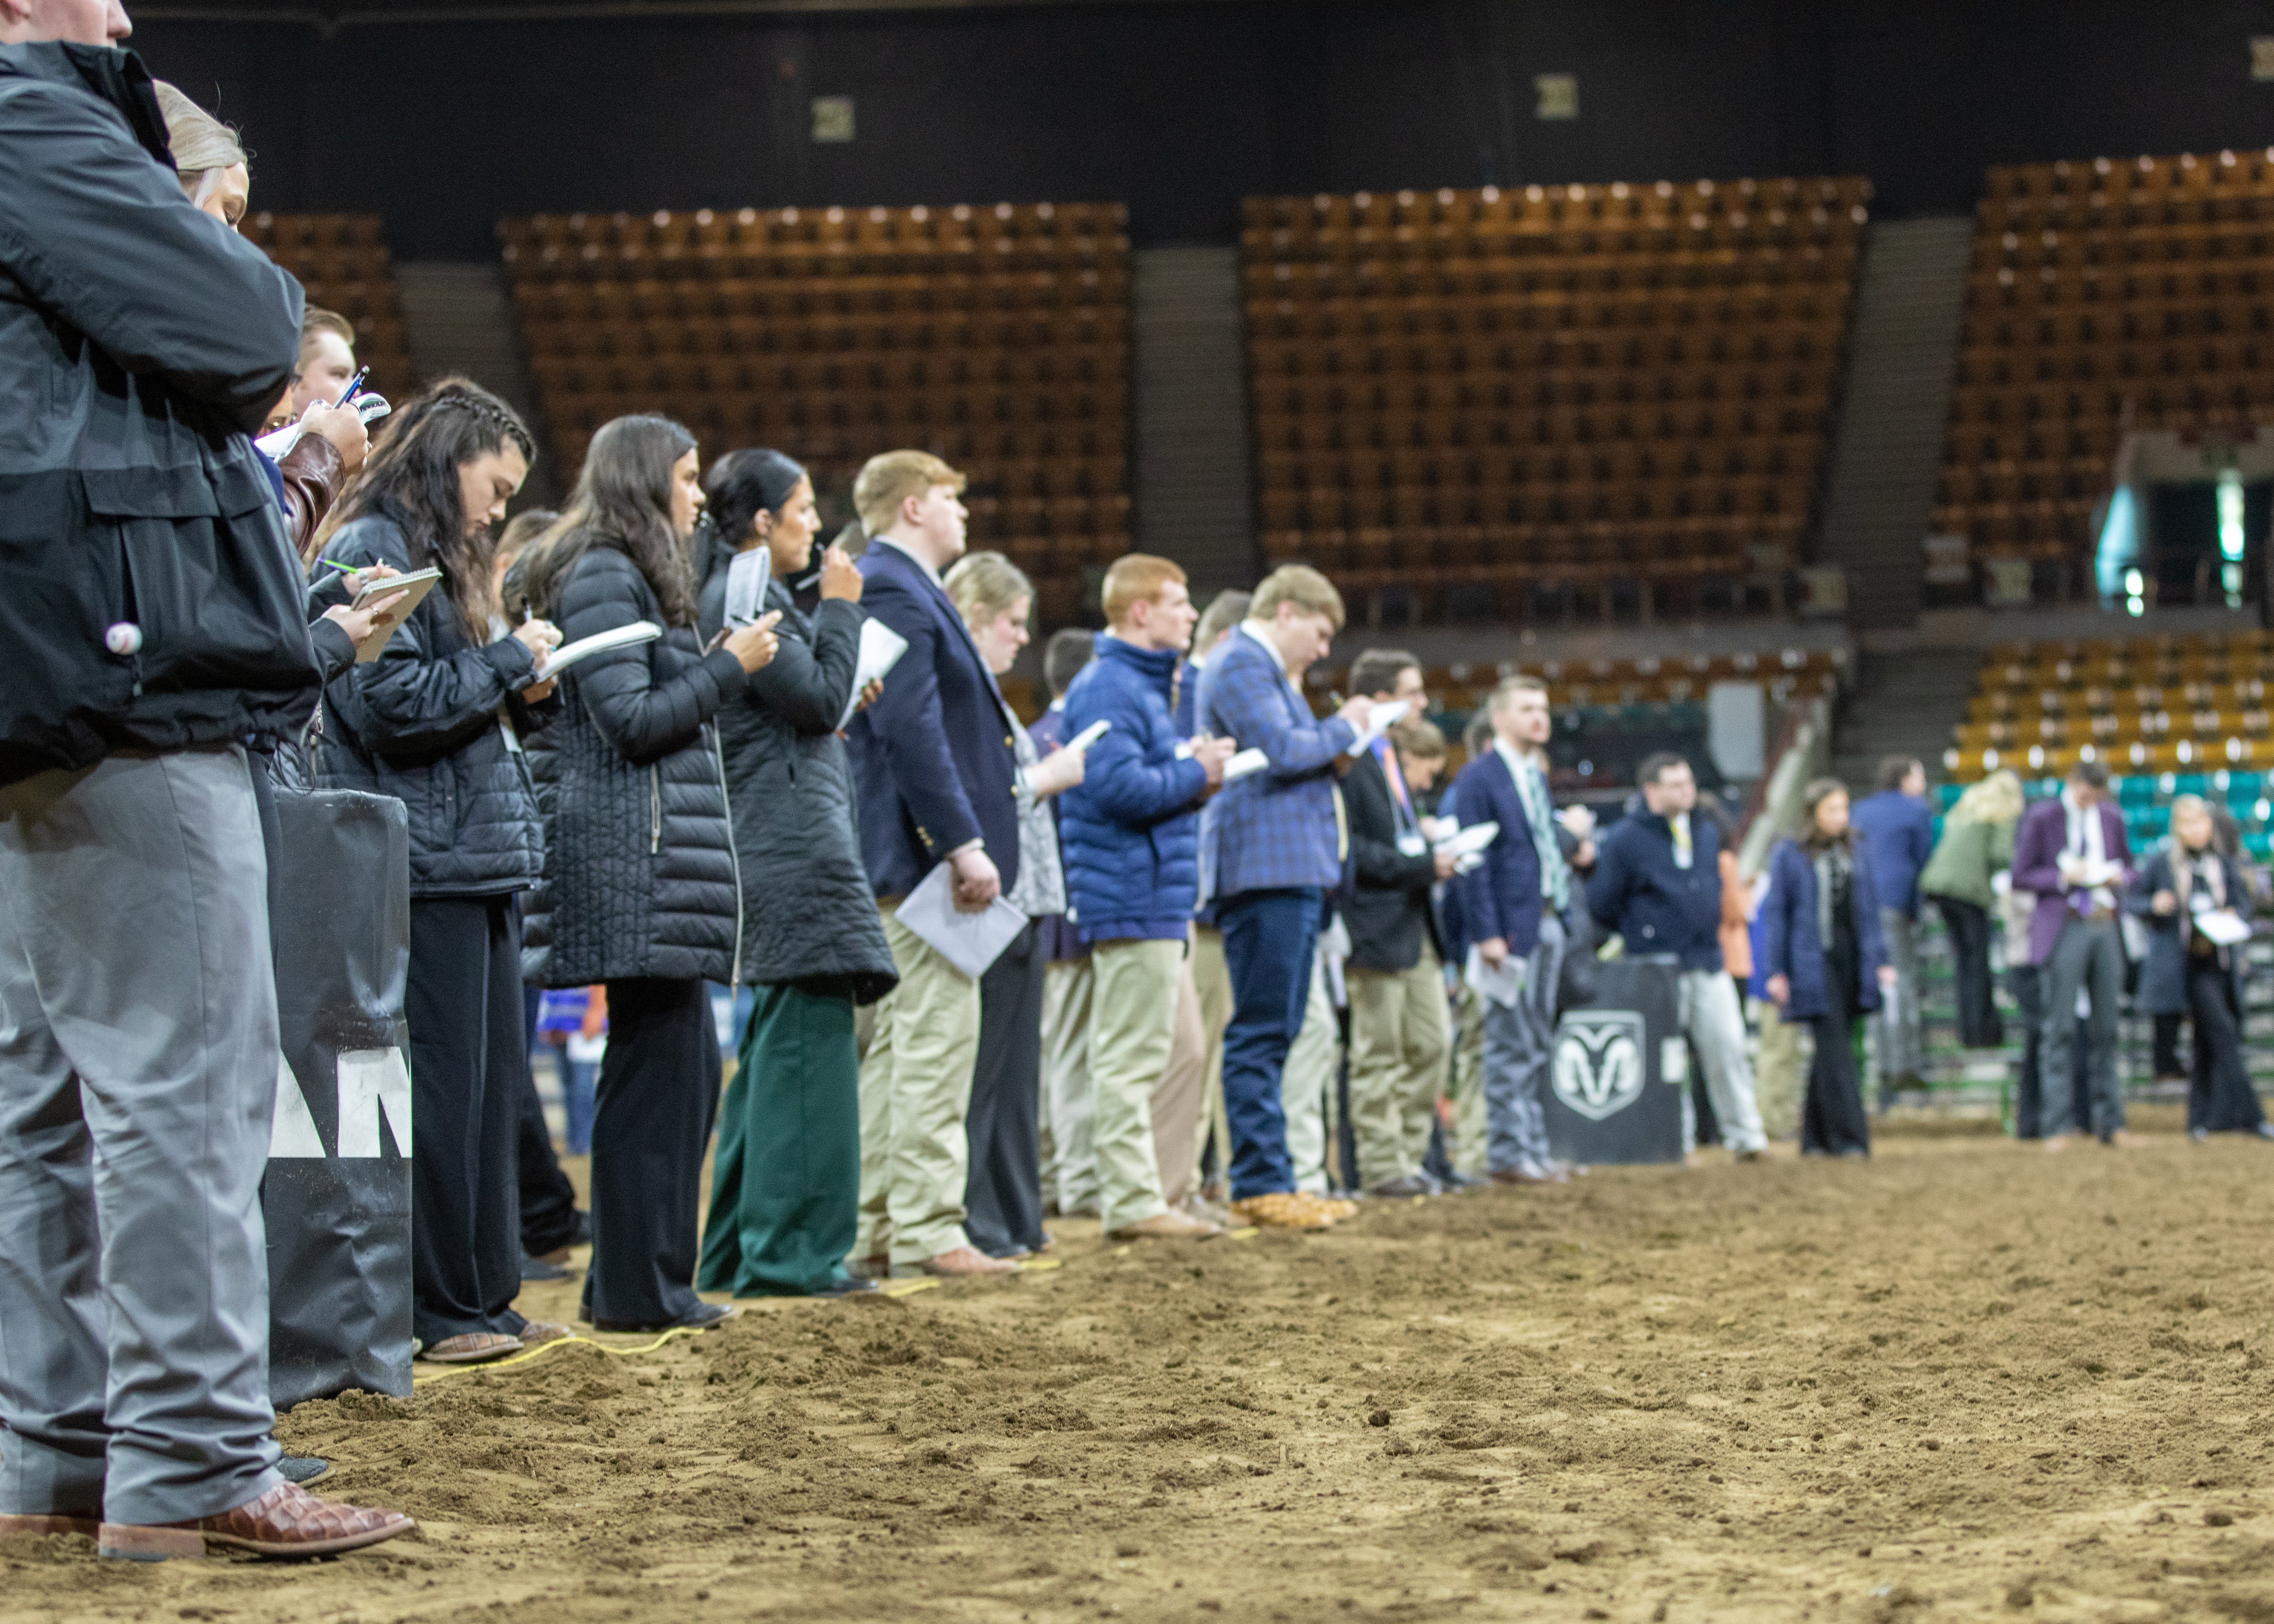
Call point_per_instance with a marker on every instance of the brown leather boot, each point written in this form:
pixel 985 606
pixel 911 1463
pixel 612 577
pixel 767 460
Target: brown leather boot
pixel 287 1520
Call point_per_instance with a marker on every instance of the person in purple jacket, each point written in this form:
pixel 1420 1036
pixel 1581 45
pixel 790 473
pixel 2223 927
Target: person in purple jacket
pixel 2071 851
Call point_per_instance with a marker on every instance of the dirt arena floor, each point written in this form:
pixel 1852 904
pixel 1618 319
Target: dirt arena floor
pixel 1965 1381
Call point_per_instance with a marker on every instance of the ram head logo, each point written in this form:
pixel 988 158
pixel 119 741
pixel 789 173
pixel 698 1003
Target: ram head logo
pixel 1599 1062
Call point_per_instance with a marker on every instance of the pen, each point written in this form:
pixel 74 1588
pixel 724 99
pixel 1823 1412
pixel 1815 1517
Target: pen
pixel 354 383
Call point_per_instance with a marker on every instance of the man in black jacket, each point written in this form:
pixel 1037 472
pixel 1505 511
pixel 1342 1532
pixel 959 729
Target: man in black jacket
pixel 1396 975
pixel 151 619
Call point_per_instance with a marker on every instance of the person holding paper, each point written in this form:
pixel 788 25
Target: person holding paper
pixel 2072 853
pixel 1132 837
pixel 1511 929
pixel 1211 978
pixel 1826 962
pixel 2195 903
pixel 1271 845
pixel 640 889
pixel 1897 828
pixel 1396 977
pixel 435 722
pixel 785 1178
pixel 936 775
pixel 1069 1165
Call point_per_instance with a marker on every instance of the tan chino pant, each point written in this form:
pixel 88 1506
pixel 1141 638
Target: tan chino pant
pixel 1398 1043
pixel 915 1086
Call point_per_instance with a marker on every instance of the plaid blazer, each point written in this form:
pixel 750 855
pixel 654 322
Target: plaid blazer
pixel 1280 828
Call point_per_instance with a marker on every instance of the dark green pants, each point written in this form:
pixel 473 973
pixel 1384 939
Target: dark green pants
pixel 786 1183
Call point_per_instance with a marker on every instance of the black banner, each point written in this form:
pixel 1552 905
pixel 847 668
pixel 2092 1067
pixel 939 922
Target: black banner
pixel 1618 1070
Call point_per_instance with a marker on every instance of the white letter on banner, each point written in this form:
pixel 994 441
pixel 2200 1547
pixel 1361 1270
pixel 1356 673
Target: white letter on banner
pixel 371 1081
pixel 294 1131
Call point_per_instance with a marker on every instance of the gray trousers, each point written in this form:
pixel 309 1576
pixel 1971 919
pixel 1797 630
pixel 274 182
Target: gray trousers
pixel 1520 1042
pixel 139 1062
pixel 1901 1051
pixel 2088 955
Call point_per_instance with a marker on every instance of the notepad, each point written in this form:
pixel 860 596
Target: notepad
pixel 417 584
pixel 1503 986
pixel 881 648
pixel 2223 927
pixel 1247 762
pixel 599 643
pixel 1384 716
pixel 746 585
pixel 1090 734
pixel 1469 841
pixel 970 942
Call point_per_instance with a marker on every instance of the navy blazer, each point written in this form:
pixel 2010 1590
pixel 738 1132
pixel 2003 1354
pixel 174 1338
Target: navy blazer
pixel 1792 937
pixel 934 763
pixel 1898 831
pixel 1638 891
pixel 1501 896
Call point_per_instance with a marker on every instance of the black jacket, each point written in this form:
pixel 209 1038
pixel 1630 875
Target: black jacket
pixel 140 341
pixel 427 723
pixel 639 864
pixel 808 910
pixel 1386 909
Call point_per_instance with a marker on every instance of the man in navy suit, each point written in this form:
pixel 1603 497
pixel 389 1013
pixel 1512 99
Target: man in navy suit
pixel 1897 830
pixel 935 774
pixel 1511 909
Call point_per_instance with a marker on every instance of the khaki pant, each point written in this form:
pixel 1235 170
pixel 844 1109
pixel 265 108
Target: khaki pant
pixel 1180 1103
pixel 1069 1161
pixel 1212 981
pixel 1397 1060
pixel 1467 1142
pixel 1313 1061
pixel 915 1086
pixel 1132 1034
pixel 1781 1074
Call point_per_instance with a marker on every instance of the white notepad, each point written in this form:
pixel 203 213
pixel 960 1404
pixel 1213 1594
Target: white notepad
pixel 1384 716
pixel 1466 842
pixel 746 585
pixel 881 648
pixel 970 942
pixel 1247 762
pixel 599 643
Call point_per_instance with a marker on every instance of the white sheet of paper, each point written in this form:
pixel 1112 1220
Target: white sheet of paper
pixel 746 585
pixel 1385 716
pixel 1090 734
pixel 2223 927
pixel 1247 762
pixel 1467 842
pixel 599 643
pixel 881 648
pixel 970 942
pixel 1503 986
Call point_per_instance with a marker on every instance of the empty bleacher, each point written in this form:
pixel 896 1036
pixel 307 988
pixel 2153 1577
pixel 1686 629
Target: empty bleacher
pixel 996 336
pixel 343 263
pixel 2104 292
pixel 1547 400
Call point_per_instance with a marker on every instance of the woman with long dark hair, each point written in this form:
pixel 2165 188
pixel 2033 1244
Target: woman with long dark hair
pixel 2183 893
pixel 640 889
pixel 786 1179
pixel 1826 961
pixel 433 722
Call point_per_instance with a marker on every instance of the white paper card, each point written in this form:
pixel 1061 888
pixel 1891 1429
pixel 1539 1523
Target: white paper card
pixel 1090 734
pixel 881 648
pixel 1247 762
pixel 599 643
pixel 1503 986
pixel 970 942
pixel 2223 927
pixel 1384 716
pixel 1467 842
pixel 746 585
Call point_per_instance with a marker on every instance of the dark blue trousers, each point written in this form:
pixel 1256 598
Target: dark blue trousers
pixel 1269 941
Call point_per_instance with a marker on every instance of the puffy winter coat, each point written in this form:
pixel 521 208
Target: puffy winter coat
pixel 1793 941
pixel 808 909
pixel 1130 830
pixel 427 722
pixel 639 863
pixel 139 338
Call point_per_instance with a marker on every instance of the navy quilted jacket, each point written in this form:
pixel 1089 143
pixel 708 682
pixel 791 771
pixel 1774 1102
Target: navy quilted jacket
pixel 639 861
pixel 1130 830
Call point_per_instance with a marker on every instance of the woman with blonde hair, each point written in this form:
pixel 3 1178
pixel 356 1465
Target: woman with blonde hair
pixel 1003 1192
pixel 1976 844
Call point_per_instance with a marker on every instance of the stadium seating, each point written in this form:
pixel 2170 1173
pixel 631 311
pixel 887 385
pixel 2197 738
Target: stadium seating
pixel 996 336
pixel 1552 401
pixel 2102 291
pixel 343 264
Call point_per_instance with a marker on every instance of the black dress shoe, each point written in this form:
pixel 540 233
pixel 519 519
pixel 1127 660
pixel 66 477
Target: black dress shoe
pixel 303 1468
pixel 537 1270
pixel 703 1317
pixel 1405 1188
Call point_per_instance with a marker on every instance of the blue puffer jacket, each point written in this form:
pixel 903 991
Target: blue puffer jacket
pixel 1130 830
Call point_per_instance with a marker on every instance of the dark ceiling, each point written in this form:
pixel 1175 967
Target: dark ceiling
pixel 331 14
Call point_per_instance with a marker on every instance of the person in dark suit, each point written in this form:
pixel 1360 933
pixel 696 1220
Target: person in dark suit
pixel 2072 852
pixel 1897 828
pixel 1395 974
pixel 935 774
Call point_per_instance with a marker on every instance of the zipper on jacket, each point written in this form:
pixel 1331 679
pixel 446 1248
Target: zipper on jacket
pixel 727 799
pixel 654 810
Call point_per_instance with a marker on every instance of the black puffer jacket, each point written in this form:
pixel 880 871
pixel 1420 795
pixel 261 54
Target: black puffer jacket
pixel 808 911
pixel 139 340
pixel 423 723
pixel 639 865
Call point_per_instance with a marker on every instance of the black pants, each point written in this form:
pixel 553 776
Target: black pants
pixel 1003 1192
pixel 1978 1026
pixel 2027 987
pixel 1833 1122
pixel 652 1111
pixel 2167 1046
pixel 548 1200
pixel 2220 1098
pixel 469 1063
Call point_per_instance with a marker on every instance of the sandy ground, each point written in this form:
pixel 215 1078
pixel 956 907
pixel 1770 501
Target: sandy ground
pixel 1966 1380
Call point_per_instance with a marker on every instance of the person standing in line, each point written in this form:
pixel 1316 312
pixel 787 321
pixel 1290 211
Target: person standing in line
pixel 936 775
pixel 1468 1138
pixel 640 892
pixel 1397 977
pixel 1002 1190
pixel 1977 845
pixel 138 1003
pixel 2071 853
pixel 1511 909
pixel 1069 1164
pixel 1896 827
pixel 1211 979
pixel 1827 962
pixel 2180 892
pixel 435 722
pixel 1449 1144
pixel 1272 845
pixel 785 1176
pixel 1780 1072
pixel 1658 883
pixel 1132 870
